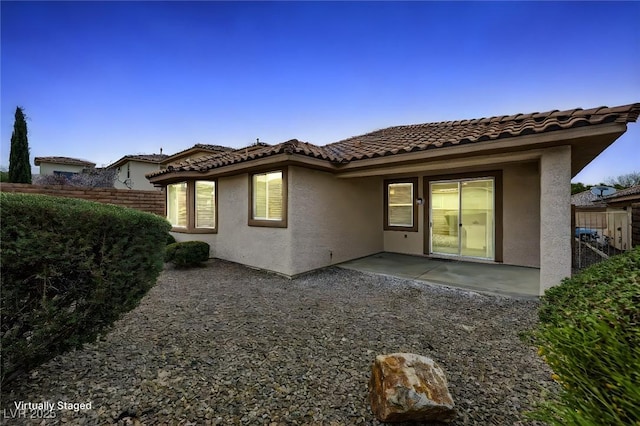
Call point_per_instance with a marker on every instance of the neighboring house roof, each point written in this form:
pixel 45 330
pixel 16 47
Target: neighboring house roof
pixel 624 193
pixel 587 199
pixel 199 147
pixel 420 137
pixel 142 158
pixel 631 194
pixel 63 160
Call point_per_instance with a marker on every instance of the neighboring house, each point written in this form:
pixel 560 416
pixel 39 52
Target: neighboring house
pixel 490 190
pixel 131 170
pixel 63 166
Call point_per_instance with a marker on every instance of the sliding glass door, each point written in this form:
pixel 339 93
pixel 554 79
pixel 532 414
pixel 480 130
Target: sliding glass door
pixel 462 219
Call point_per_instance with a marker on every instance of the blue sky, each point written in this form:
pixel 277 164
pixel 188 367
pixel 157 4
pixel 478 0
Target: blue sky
pixel 102 80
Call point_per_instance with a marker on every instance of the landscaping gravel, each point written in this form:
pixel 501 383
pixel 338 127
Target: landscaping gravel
pixel 225 344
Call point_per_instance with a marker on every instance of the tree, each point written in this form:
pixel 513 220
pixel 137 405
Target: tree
pixel 624 181
pixel 576 188
pixel 89 178
pixel 19 165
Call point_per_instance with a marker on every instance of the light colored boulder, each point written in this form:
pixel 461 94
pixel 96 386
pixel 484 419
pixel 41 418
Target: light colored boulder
pixel 409 387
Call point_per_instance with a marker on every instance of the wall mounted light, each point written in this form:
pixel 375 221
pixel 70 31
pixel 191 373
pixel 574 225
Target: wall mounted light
pixel 420 201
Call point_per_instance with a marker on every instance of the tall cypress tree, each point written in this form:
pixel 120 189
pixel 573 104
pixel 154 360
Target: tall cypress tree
pixel 19 166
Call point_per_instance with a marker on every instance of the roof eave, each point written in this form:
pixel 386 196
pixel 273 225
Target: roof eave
pixel 624 199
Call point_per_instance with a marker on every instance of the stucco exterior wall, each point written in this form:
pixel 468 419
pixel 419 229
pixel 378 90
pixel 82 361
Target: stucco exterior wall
pixel 521 217
pixel 521 214
pixel 236 241
pixel 555 216
pixel 332 220
pixel 49 168
pixel 137 171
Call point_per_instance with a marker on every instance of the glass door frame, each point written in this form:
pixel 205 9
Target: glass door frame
pixel 496 176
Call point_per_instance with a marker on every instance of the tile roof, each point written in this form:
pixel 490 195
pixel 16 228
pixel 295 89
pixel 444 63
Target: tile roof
pixel 150 158
pixel 63 160
pixel 586 199
pixel 634 190
pixel 419 137
pixel 144 158
pixel 203 147
pixel 399 139
pixel 213 147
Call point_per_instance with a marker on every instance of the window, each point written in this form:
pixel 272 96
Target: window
pixel 268 199
pixel 192 206
pixel 177 204
pixel 205 204
pixel 67 175
pixel 399 198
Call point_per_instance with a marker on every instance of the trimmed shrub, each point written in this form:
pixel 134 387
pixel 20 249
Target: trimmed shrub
pixel 187 253
pixel 589 334
pixel 69 269
pixel 170 239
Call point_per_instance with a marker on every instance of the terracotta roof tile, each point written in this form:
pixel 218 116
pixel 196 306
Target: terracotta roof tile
pixel 418 137
pixel 205 147
pixel 144 158
pixel 152 158
pixel 64 160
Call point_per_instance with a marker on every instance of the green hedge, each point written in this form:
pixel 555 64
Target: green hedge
pixel 69 269
pixel 589 334
pixel 187 253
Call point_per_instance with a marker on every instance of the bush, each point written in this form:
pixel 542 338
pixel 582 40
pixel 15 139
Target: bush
pixel 187 253
pixel 589 334
pixel 170 239
pixel 69 269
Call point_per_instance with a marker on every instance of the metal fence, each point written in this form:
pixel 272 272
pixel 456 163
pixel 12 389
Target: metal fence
pixel 599 234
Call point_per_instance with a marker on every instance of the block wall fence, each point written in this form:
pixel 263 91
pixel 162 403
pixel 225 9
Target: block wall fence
pixel 147 201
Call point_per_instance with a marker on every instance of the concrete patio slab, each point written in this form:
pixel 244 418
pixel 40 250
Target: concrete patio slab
pixel 506 280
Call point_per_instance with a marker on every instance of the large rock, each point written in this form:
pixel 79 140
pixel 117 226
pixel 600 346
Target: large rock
pixel 409 387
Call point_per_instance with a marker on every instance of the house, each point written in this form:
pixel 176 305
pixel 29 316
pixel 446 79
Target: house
pixel 62 166
pixel 131 170
pixel 489 190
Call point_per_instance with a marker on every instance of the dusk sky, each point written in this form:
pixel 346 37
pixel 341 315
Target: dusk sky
pixel 100 80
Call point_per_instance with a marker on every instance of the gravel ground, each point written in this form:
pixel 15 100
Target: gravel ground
pixel 225 344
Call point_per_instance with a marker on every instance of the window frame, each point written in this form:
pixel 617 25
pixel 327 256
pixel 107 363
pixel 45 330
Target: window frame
pixel 414 211
pixel 281 223
pixel 191 208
